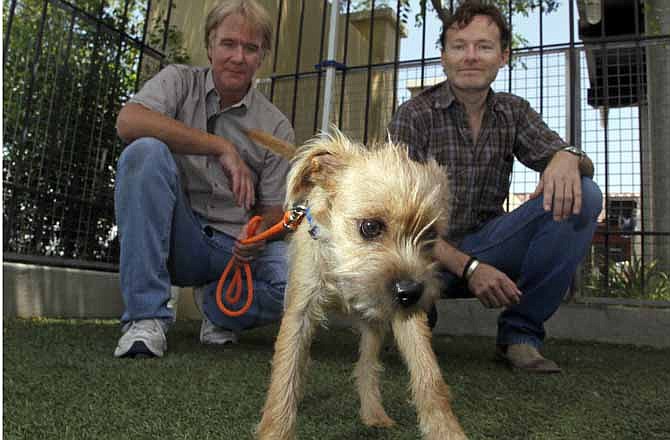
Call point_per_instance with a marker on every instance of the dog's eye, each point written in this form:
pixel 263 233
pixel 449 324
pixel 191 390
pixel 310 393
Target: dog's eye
pixel 371 228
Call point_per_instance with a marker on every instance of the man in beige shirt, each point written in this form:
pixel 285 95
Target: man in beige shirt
pixel 189 181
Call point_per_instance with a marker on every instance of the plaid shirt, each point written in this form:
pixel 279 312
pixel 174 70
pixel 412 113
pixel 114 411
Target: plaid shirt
pixel 434 125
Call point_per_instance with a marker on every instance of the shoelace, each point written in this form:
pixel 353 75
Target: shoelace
pixel 150 326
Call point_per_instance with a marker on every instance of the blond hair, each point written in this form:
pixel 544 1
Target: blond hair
pixel 255 15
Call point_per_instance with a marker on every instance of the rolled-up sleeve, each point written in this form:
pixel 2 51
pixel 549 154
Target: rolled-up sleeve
pixel 163 93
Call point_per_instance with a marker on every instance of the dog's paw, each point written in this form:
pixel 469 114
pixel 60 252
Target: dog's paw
pixel 445 428
pixel 377 420
pixel 273 431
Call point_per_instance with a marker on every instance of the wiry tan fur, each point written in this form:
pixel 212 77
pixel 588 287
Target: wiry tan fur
pixel 344 183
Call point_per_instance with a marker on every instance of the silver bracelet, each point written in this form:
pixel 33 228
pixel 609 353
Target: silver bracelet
pixel 471 269
pixel 575 151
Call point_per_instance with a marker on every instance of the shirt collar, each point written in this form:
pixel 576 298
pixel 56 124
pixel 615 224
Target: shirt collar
pixel 210 90
pixel 446 97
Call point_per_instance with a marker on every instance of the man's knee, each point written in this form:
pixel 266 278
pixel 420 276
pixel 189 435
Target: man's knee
pixel 592 199
pixel 272 267
pixel 274 271
pixel 145 151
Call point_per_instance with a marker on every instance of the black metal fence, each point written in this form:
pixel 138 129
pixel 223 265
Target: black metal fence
pixel 67 70
pixel 591 87
pixel 599 86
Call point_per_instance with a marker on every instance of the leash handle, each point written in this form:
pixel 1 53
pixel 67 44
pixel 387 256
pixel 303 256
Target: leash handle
pixel 289 223
pixel 234 290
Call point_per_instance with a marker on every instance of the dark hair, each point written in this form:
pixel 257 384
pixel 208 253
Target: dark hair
pixel 467 11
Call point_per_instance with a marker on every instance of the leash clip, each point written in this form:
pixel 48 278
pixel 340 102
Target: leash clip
pixel 294 217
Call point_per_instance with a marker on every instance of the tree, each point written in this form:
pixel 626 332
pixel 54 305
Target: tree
pixel 65 77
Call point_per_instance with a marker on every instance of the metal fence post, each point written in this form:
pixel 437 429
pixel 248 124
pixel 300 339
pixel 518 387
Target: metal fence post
pixel 330 70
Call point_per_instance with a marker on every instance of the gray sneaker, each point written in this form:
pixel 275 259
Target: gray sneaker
pixel 210 333
pixel 143 338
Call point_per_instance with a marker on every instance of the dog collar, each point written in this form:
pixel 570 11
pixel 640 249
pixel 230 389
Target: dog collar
pixel 313 227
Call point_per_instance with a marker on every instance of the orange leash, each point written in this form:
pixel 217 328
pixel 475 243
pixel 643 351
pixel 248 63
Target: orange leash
pixel 289 223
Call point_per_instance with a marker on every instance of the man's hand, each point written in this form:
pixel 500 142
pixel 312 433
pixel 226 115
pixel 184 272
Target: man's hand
pixel 239 175
pixel 246 253
pixel 271 215
pixel 561 186
pixel 492 287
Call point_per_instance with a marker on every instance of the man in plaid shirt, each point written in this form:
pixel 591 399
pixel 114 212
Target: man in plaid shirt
pixel 522 261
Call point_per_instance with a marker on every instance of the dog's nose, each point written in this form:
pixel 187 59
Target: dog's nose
pixel 408 292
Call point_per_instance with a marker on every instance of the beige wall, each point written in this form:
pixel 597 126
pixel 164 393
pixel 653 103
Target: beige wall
pixel 189 17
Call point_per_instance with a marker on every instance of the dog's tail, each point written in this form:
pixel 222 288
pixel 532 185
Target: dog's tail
pixel 274 144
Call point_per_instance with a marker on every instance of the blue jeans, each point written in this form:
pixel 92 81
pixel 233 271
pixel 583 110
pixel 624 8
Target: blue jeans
pixel 164 243
pixel 539 254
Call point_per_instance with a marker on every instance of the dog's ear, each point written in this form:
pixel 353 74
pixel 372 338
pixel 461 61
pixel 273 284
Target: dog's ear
pixel 316 165
pixel 323 168
pixel 319 163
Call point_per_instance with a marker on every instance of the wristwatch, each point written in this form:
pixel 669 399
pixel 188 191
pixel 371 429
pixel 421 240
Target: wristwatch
pixel 576 151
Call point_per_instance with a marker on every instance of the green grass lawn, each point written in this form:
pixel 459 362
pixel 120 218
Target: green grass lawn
pixel 61 382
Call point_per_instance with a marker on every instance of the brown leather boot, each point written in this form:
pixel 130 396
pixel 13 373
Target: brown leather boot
pixel 527 358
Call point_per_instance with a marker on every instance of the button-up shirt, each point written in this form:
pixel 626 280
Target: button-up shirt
pixel 187 94
pixel 434 125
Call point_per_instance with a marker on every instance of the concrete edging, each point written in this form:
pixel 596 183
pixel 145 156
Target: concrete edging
pixel 583 322
pixel 42 291
pixel 55 292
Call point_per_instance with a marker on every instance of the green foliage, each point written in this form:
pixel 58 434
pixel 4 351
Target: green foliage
pixel 174 51
pixel 652 12
pixel 633 279
pixel 64 82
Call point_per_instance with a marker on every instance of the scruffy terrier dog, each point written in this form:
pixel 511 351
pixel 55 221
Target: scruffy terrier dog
pixel 373 216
